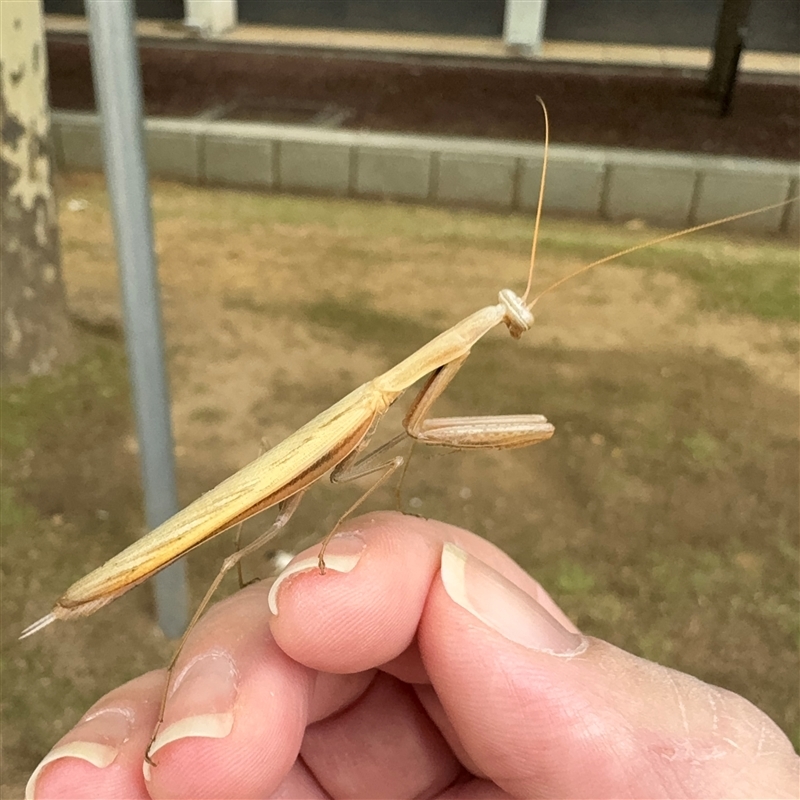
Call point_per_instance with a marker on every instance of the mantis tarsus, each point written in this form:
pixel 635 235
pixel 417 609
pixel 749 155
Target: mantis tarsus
pixel 333 441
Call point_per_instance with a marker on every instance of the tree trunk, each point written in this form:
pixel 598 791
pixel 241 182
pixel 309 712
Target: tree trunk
pixel 727 45
pixel 35 334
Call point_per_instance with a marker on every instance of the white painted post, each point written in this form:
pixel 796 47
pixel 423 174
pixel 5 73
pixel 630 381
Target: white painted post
pixel 210 17
pixel 523 25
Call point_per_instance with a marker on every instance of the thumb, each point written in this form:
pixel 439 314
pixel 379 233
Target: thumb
pixel 545 712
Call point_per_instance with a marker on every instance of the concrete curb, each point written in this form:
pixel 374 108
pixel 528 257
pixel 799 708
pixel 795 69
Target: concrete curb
pixel 666 188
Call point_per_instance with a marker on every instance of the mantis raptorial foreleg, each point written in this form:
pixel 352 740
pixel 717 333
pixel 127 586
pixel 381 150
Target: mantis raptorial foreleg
pixel 477 433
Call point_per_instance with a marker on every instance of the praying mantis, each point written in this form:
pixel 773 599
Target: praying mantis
pixel 334 441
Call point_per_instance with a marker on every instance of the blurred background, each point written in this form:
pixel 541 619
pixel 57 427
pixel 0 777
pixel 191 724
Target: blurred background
pixel 334 183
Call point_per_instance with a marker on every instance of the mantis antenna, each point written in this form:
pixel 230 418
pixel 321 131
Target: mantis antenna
pixel 541 197
pixel 659 240
pixel 613 256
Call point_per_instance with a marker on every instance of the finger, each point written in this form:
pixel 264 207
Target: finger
pixel 102 755
pixel 238 706
pixel 434 709
pixel 543 711
pixel 363 612
pixel 299 784
pixel 474 789
pixel 382 746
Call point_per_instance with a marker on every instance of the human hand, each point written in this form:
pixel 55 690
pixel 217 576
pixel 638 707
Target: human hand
pixel 409 670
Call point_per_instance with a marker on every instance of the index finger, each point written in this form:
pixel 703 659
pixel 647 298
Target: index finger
pixel 364 612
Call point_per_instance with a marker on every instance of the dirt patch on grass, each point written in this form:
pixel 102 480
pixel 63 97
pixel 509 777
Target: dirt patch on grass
pixel 249 283
pixel 663 515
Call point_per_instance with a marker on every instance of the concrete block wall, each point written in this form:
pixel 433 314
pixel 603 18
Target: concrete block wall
pixel 575 181
pixel 475 180
pixel 76 139
pixel 791 218
pixel 174 149
pixel 659 189
pixel 730 188
pixel 394 173
pixel 239 158
pixel 670 189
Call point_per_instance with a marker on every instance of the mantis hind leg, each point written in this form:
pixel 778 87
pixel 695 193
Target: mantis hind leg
pixel 286 510
pixel 263 447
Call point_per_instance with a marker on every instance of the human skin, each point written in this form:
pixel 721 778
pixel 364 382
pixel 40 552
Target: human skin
pixel 414 669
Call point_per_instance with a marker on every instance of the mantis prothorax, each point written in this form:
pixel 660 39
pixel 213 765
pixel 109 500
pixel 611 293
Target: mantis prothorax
pixel 334 440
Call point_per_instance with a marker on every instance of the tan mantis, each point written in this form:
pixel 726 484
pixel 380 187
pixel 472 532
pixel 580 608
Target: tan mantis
pixel 334 440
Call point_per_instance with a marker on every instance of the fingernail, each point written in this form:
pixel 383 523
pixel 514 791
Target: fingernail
pixel 503 606
pixel 101 736
pixel 342 555
pixel 201 704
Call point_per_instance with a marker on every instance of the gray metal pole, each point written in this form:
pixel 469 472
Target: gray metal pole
pixel 115 68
